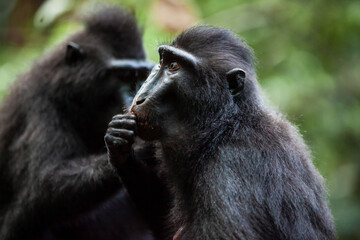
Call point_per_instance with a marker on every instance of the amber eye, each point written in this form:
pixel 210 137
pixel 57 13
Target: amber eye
pixel 160 62
pixel 174 66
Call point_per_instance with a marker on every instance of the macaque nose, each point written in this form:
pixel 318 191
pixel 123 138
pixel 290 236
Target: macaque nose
pixel 140 100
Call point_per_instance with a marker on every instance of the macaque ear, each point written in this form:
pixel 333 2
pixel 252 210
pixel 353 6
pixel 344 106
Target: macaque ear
pixel 236 79
pixel 74 53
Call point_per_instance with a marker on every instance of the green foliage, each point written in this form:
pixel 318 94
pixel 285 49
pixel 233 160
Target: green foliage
pixel 308 55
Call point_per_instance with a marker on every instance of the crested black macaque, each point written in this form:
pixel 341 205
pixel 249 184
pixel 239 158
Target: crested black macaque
pixel 55 179
pixel 236 168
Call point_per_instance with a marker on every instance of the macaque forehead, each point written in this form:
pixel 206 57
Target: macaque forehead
pixel 171 52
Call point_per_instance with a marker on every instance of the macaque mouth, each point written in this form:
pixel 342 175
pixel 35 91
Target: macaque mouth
pixel 141 117
pixel 144 122
pixel 146 129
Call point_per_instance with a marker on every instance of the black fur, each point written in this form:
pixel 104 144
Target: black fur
pixel 237 168
pixel 55 180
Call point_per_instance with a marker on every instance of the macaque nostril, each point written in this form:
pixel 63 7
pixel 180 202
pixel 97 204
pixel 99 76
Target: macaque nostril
pixel 140 101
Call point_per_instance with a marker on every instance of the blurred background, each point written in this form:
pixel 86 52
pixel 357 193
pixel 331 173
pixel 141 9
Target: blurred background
pixel 308 62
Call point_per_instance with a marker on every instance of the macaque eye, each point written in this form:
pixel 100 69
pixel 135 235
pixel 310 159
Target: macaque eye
pixel 174 66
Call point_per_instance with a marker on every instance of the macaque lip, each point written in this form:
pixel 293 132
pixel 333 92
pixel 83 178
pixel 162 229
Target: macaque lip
pixel 143 122
pixel 145 129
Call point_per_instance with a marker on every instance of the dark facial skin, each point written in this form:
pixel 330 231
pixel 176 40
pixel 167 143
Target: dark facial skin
pixel 236 169
pixel 175 69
